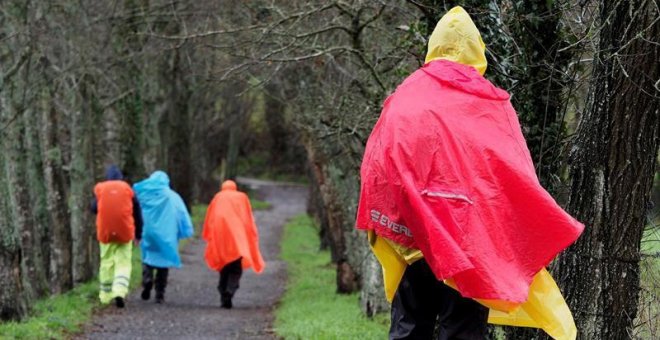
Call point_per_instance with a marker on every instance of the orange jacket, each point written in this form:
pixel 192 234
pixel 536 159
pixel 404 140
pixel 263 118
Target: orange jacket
pixel 114 221
pixel 230 231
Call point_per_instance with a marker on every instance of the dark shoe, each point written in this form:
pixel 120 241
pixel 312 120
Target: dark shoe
pixel 119 302
pixel 146 294
pixel 160 298
pixel 225 303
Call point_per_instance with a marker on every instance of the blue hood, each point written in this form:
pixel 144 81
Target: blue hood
pixel 113 173
pixel 166 221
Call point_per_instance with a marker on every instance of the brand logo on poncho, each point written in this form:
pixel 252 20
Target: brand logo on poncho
pixel 387 222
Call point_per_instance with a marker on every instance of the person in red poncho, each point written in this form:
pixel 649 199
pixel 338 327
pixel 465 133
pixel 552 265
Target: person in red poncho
pixel 453 207
pixel 232 240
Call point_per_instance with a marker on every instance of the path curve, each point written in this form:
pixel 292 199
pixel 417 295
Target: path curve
pixel 192 308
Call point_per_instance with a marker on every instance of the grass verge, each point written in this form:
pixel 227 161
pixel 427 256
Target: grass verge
pixel 54 317
pixel 60 316
pixel 310 308
pixel 259 205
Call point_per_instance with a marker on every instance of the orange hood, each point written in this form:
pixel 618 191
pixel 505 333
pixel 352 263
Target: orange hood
pixel 228 185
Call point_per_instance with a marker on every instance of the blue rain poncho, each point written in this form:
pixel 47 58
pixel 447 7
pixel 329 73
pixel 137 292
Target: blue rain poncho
pixel 166 221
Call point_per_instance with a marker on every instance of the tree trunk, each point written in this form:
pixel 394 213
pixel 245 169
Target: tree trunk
pixel 132 111
pixel 340 227
pixel 15 149
pixel 13 299
pixel 372 297
pixel 37 238
pixel 612 166
pixel 56 192
pixel 81 186
pixel 539 94
pixel 13 304
pixel 357 268
pixel 179 149
pixel 316 208
pixel 131 136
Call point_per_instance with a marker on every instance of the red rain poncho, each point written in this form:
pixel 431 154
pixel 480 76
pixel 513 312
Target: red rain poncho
pixel 230 231
pixel 446 170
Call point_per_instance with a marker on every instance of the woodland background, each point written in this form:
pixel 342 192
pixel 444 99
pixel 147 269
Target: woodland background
pixel 207 90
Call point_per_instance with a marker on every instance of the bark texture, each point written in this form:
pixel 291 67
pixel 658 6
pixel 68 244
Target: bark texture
pixel 612 166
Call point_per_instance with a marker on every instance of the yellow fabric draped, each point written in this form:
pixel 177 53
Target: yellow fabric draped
pixel 545 307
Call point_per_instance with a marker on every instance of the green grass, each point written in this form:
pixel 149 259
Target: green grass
pixel 259 205
pixel 60 316
pixel 310 308
pixel 197 216
pixel 56 316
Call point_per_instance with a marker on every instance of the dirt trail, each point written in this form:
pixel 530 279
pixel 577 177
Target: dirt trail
pixel 192 303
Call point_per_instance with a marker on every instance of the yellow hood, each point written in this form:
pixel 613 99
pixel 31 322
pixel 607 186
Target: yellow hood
pixel 457 39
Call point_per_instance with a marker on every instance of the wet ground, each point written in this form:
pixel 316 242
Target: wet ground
pixel 192 303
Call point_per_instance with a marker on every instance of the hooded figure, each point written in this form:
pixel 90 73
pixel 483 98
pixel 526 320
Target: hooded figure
pixel 449 193
pixel 118 222
pixel 166 221
pixel 232 239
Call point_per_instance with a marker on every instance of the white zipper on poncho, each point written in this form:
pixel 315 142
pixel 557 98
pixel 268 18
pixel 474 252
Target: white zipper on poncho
pixel 448 195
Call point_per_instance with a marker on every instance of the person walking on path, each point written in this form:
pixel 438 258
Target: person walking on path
pixel 118 222
pixel 166 221
pixel 232 240
pixel 452 204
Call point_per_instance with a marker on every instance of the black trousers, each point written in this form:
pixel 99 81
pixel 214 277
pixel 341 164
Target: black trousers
pixel 230 275
pixel 148 278
pixel 421 299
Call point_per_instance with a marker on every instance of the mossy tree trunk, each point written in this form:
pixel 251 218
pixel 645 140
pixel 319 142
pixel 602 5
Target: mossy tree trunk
pixel 37 240
pixel 56 184
pixel 82 174
pixel 131 107
pixel 14 296
pixel 613 161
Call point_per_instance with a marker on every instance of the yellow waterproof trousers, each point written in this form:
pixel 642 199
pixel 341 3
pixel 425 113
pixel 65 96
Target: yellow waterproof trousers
pixel 115 270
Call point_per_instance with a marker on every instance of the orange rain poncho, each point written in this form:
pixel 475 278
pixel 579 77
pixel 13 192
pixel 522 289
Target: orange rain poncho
pixel 230 231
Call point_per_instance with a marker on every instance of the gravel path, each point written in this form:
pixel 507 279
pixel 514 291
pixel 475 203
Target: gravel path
pixel 192 303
